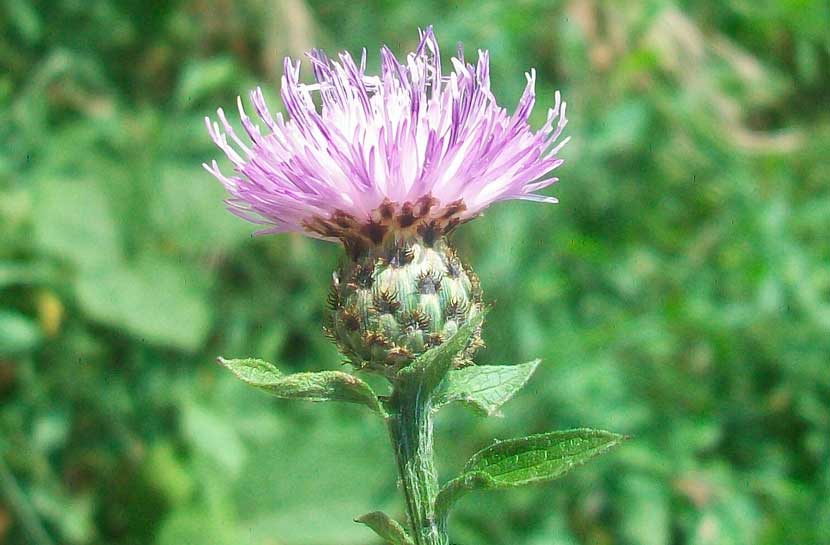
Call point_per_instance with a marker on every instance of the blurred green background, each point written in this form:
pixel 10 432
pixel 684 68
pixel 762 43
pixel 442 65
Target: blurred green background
pixel 680 292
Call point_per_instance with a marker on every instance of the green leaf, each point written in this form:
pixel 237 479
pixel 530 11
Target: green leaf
pixel 313 386
pixel 75 222
pixel 527 460
pixel 386 527
pixel 649 521
pixel 484 387
pixel 166 473
pixel 430 368
pixel 191 213
pixel 18 333
pixel 542 457
pixel 323 466
pixel 214 436
pixel 25 274
pixel 201 78
pixel 26 20
pixel 156 299
pixel 198 525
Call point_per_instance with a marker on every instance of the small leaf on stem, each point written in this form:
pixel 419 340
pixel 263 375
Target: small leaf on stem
pixel 430 368
pixel 314 386
pixel 484 387
pixel 527 460
pixel 386 527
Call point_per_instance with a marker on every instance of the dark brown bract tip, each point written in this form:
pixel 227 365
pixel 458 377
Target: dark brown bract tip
pixel 424 217
pixel 429 282
pixel 386 302
pixel 400 255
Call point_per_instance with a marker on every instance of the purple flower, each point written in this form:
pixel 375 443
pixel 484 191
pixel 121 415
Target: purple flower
pixel 411 142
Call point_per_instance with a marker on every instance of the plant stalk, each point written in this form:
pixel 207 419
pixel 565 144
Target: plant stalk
pixel 410 428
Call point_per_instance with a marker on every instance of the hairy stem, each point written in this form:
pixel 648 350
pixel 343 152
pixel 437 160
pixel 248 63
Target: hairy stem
pixel 410 428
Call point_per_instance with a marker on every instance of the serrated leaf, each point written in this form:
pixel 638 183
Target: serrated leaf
pixel 430 368
pixel 311 386
pixel 387 528
pixel 527 460
pixel 540 457
pixel 484 387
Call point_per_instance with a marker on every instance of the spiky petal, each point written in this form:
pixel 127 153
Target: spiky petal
pixel 408 134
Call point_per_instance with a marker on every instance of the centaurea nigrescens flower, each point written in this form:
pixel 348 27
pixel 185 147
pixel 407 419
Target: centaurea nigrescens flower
pixel 389 164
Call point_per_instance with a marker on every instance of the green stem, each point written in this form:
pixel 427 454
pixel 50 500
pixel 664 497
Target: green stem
pixel 410 428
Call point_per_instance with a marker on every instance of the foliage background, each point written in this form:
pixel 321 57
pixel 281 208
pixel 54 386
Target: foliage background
pixel 680 292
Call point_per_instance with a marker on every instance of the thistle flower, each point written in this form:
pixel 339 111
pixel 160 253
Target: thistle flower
pixel 389 165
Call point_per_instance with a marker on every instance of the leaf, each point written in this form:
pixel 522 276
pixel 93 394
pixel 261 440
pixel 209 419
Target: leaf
pixel 430 368
pixel 166 474
pixel 484 387
pixel 26 20
pixel 323 466
pixel 313 386
pixel 649 521
pixel 386 527
pixel 214 436
pixel 18 333
pixel 542 457
pixel 75 222
pixel 193 525
pixel 156 299
pixel 191 212
pixel 201 78
pixel 527 460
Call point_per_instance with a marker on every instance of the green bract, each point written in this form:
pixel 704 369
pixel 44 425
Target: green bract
pixel 397 299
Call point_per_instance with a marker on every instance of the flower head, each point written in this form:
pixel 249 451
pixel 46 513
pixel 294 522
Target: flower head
pixel 409 148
